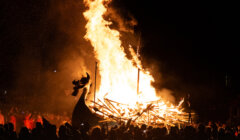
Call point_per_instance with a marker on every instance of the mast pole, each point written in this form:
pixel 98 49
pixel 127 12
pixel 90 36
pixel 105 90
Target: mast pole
pixel 138 81
pixel 138 76
pixel 95 82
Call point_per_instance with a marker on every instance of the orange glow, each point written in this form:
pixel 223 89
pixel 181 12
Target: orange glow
pixel 117 93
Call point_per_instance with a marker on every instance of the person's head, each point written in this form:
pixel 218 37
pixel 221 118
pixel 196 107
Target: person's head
pixel 5 126
pixel 164 130
pixel 209 123
pixel 38 125
pixel 131 128
pixel 201 128
pixel 62 131
pixel 10 127
pixel 1 130
pixel 150 128
pixel 136 128
pixel 96 132
pixel 143 127
pixel 24 132
pixel 173 130
pixel 53 129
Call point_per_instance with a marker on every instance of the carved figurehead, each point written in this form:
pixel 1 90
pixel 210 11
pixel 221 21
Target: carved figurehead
pixel 81 113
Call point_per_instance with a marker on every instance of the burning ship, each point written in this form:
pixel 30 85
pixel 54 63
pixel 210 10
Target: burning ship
pixel 125 91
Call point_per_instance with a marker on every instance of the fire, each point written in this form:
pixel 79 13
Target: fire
pixel 117 95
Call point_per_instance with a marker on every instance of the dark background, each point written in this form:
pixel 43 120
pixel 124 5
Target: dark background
pixel 197 46
pixel 193 46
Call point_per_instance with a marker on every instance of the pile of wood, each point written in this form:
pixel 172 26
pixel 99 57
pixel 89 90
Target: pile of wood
pixel 149 113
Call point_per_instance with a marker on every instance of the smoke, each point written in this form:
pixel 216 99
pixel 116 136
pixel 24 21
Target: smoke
pixel 53 52
pixel 74 55
pixel 52 55
pixel 124 22
pixel 166 94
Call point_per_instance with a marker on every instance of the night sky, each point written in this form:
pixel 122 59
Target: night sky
pixel 194 46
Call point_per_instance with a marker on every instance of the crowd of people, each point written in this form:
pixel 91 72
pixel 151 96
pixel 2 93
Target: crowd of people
pixel 43 129
pixel 23 118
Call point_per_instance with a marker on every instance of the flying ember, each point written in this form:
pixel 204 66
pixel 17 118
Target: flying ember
pixel 117 96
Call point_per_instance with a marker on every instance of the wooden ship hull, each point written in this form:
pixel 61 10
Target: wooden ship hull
pixel 82 114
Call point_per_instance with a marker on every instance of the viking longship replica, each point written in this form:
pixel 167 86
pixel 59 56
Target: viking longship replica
pixel 125 90
pixel 112 111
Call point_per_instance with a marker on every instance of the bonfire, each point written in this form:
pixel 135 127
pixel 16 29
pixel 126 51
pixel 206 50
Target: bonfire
pixel 125 91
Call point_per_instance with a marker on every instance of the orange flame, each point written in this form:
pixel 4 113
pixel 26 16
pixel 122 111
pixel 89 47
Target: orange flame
pixel 119 74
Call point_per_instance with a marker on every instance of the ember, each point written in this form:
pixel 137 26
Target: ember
pixel 116 98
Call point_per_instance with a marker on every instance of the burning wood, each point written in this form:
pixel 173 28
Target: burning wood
pixel 121 77
pixel 114 111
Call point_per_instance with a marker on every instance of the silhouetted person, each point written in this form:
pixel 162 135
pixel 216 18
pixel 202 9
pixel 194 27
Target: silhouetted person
pixel 173 134
pixel 24 134
pixel 2 121
pixel 189 133
pixel 10 133
pixel 62 133
pixel 2 132
pixel 96 134
pixel 221 134
pixel 112 134
pixel 201 135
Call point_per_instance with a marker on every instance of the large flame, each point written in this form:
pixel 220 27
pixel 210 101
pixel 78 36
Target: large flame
pixel 118 84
